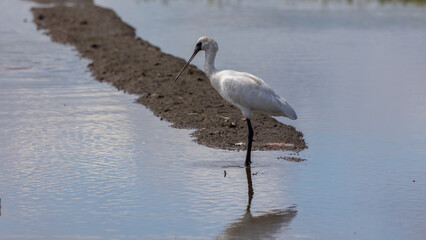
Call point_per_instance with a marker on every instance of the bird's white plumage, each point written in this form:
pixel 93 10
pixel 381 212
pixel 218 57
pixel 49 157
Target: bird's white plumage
pixel 244 90
pixel 248 92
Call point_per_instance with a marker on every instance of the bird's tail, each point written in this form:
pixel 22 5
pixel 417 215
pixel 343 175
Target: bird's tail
pixel 286 109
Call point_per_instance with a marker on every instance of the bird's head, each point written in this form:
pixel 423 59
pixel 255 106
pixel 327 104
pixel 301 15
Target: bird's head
pixel 206 43
pixel 203 44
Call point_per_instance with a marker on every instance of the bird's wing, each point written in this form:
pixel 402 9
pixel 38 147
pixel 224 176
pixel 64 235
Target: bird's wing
pixel 254 79
pixel 245 90
pixel 285 109
pixel 249 93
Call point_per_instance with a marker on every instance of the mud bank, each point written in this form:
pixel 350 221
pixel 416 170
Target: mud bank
pixel 135 66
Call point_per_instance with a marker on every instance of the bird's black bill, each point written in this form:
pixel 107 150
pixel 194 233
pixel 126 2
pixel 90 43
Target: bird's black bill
pixel 196 50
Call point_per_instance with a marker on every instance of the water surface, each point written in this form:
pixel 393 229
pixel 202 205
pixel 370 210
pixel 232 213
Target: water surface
pixel 80 160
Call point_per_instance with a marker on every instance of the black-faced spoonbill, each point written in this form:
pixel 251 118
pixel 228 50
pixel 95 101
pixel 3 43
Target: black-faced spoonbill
pixel 243 90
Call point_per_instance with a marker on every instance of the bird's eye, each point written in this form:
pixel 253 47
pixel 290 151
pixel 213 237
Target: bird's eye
pixel 199 44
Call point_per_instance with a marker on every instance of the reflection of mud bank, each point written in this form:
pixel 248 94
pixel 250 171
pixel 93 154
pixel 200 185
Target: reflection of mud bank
pixel 135 66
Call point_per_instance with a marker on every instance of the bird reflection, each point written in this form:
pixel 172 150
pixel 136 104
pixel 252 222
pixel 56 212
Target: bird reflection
pixel 264 226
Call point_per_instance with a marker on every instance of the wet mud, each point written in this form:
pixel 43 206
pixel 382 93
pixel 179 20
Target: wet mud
pixel 135 66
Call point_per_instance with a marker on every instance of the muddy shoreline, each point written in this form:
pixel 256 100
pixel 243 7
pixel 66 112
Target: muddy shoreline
pixel 133 65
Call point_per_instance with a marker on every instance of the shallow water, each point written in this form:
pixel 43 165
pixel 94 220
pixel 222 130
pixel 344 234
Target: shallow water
pixel 80 160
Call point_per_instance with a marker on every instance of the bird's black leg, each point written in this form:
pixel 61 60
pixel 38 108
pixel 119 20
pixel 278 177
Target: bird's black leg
pixel 250 139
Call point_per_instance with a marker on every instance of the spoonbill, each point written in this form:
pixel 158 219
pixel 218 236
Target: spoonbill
pixel 241 89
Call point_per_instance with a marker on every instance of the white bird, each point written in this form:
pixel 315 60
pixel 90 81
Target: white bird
pixel 241 89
